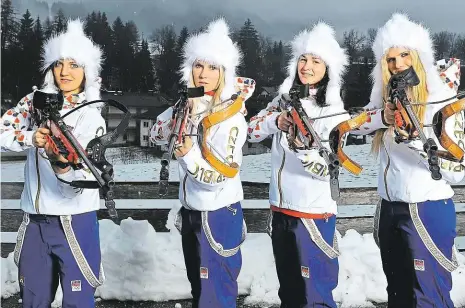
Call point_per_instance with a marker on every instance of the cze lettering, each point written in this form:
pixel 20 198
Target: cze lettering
pixel 233 133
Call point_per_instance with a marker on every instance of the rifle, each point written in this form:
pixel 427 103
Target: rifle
pixel 307 134
pixel 398 85
pixel 180 117
pixel 46 111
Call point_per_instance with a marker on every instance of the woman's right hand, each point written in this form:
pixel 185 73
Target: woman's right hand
pixel 38 138
pixel 283 121
pixel 389 113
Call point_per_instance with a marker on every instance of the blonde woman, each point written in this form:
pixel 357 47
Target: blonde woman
pixel 212 225
pixel 415 220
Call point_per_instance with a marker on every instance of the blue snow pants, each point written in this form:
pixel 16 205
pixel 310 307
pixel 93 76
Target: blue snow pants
pixel 53 249
pixel 211 245
pixel 416 242
pixel 307 276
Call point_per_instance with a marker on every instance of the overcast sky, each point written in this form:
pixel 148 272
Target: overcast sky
pixel 280 19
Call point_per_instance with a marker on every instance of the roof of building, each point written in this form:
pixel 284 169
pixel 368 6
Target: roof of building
pixel 270 89
pixel 130 99
pixel 152 113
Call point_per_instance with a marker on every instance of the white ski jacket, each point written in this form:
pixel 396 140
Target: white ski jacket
pixel 403 173
pixel 43 193
pixel 299 181
pixel 202 188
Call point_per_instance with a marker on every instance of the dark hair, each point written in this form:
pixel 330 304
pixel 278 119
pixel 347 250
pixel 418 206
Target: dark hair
pixel 321 86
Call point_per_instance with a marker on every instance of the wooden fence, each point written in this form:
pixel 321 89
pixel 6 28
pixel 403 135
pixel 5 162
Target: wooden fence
pixel 140 201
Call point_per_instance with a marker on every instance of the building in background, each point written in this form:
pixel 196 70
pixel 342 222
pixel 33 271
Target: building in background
pixel 137 104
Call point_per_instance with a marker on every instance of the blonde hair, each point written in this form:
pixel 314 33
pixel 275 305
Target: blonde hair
pixel 418 94
pixel 216 99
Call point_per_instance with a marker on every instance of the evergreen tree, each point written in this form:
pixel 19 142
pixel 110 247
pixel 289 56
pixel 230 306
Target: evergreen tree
pixel 36 45
pixel 268 59
pixel 117 54
pixel 59 23
pixel 144 68
pixel 181 41
pixel 9 25
pixel 9 48
pixel 26 54
pixel 249 43
pixel 277 64
pixel 48 28
pixel 166 60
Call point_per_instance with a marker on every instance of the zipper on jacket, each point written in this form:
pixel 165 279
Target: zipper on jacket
pixel 386 171
pixel 233 210
pixel 326 216
pixel 36 203
pixel 280 171
pixel 184 191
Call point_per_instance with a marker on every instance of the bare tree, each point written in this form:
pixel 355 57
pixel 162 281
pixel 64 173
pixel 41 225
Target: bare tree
pixel 458 48
pixel 371 35
pixel 444 42
pixel 353 41
pixel 162 38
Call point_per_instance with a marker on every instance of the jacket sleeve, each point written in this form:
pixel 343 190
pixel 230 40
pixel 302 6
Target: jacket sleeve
pixel 16 129
pixel 375 121
pixel 229 147
pixel 264 123
pixel 452 172
pixel 91 126
pixel 313 163
pixel 161 130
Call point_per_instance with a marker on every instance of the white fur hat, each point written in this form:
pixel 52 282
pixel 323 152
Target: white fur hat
pixel 74 44
pixel 216 47
pixel 400 31
pixel 319 41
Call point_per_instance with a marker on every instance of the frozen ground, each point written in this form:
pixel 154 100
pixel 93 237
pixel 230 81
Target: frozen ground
pixel 142 265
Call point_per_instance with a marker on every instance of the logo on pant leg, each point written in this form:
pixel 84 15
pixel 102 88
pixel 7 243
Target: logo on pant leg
pixel 75 285
pixel 419 264
pixel 204 272
pixel 305 271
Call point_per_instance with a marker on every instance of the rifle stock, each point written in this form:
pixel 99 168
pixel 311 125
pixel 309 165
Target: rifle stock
pixel 46 109
pixel 180 117
pixel 398 85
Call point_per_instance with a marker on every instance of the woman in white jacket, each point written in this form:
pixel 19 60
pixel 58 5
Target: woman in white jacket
pixel 212 226
pixel 58 240
pixel 415 220
pixel 303 222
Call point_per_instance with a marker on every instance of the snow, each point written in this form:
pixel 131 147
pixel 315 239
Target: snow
pixel 255 168
pixel 141 264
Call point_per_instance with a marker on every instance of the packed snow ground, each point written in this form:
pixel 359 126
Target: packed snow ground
pixel 141 265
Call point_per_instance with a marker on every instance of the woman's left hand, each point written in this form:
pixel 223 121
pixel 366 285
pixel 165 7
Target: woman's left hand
pixel 52 156
pixel 183 148
pixel 407 132
pixel 293 137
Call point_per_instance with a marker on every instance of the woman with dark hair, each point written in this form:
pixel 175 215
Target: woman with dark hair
pixel 303 214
